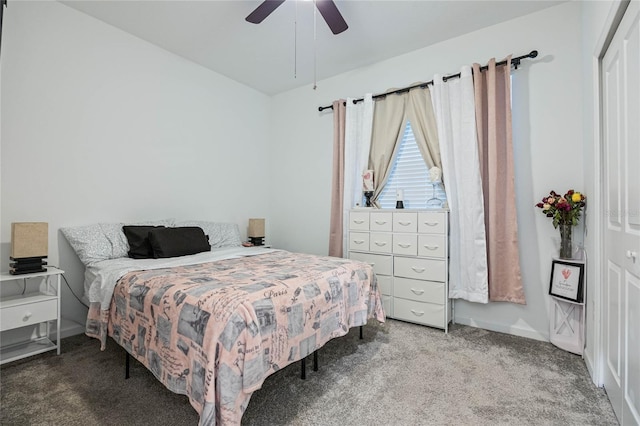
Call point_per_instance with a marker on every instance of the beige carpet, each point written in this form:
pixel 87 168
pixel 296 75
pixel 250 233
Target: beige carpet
pixel 400 374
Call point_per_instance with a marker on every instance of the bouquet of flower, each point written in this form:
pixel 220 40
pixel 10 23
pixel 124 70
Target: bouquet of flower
pixel 565 209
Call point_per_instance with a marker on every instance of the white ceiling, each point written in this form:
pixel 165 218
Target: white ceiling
pixel 215 34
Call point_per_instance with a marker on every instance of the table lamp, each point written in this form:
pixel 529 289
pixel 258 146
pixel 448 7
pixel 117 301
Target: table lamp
pixel 29 247
pixel 435 176
pixel 256 232
pixel 368 187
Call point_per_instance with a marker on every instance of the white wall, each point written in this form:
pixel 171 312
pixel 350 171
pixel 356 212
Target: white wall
pixel 98 125
pixel 547 121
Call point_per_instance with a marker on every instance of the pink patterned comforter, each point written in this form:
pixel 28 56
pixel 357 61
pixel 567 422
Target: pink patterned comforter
pixel 214 331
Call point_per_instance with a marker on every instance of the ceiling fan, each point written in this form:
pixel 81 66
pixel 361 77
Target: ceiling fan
pixel 327 9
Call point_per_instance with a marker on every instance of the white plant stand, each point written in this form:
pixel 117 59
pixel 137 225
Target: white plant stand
pixel 567 325
pixel 567 320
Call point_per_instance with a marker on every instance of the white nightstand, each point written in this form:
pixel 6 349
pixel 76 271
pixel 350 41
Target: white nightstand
pixel 38 306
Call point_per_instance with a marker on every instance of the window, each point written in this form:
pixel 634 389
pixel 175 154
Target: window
pixel 410 173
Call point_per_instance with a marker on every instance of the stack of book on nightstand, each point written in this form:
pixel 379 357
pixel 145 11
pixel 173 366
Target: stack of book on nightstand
pixel 27 265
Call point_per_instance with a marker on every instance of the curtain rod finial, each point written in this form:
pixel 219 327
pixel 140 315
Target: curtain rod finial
pixel 533 54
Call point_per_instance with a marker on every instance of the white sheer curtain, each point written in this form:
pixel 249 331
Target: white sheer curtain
pixel 454 107
pixel 359 121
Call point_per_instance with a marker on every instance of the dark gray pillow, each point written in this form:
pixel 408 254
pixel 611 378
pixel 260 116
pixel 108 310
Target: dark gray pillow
pixel 182 241
pixel 138 238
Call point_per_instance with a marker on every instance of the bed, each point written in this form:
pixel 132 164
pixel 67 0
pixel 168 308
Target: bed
pixel 214 325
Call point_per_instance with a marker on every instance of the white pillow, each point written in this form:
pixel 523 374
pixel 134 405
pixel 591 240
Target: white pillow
pixel 220 234
pixel 89 242
pixel 102 241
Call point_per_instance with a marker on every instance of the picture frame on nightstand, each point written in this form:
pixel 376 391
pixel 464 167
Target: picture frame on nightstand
pixel 567 280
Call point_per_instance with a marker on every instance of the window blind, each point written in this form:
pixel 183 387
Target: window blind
pixel 410 173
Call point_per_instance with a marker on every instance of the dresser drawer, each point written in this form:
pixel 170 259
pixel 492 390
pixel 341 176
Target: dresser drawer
pixel 359 241
pixel 384 282
pixel 420 269
pixel 405 244
pixel 381 221
pixel 432 222
pixel 28 314
pixel 405 222
pixel 419 291
pixel 359 221
pixel 431 245
pixel 382 265
pixel 380 243
pixel 420 312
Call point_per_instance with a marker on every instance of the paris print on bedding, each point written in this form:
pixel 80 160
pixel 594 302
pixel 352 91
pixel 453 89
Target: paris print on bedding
pixel 215 330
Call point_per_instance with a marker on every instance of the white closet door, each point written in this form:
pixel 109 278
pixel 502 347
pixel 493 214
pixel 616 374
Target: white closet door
pixel 621 174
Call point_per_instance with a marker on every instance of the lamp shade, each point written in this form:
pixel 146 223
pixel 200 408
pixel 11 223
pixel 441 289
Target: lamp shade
pixel 256 228
pixel 29 239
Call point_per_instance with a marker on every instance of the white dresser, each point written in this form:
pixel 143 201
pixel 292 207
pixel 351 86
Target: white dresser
pixel 409 253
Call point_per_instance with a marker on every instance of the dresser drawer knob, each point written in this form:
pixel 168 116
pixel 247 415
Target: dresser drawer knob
pixel 430 247
pixel 404 245
pixel 431 223
pixel 417 292
pixel 380 243
pixel 358 241
pixel 26 316
pixel 358 222
pixel 404 223
pixel 418 270
pixel 381 222
pixel 418 314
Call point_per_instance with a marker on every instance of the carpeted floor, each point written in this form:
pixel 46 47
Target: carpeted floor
pixel 400 374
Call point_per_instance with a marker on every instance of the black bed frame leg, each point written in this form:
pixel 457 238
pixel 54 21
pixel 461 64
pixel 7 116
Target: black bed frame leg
pixel 361 327
pixel 303 365
pixel 126 371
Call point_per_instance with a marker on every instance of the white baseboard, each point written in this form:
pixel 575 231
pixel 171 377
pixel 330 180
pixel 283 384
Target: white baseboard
pixel 591 368
pixel 68 328
pixel 502 328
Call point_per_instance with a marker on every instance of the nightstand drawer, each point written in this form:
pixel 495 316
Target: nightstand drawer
pixel 420 269
pixel 405 222
pixel 405 244
pixel 418 290
pixel 432 246
pixel 381 221
pixel 432 223
pixel 359 221
pixel 423 313
pixel 380 243
pixel 28 314
pixel 359 241
pixel 382 265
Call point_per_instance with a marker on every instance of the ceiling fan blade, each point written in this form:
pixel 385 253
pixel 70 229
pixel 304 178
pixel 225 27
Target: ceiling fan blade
pixel 264 10
pixel 332 16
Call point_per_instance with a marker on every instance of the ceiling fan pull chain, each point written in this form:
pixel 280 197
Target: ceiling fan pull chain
pixel 295 43
pixel 315 48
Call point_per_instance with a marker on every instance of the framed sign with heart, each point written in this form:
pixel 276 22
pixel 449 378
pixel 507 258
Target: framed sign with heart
pixel 567 280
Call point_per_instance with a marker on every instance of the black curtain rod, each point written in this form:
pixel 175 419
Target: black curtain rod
pixel 514 61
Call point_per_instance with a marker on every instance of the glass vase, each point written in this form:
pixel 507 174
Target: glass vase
pixel 566 246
